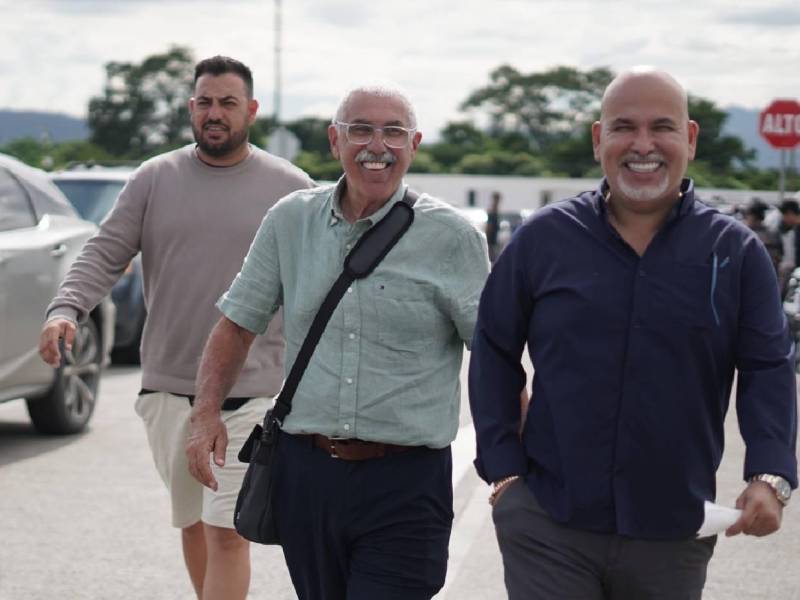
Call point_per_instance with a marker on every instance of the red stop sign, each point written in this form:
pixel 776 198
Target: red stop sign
pixel 779 124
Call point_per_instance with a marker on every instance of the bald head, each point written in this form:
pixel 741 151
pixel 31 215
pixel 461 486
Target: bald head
pixel 644 138
pixel 645 77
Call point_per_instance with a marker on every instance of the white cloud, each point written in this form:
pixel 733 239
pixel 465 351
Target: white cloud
pixel 53 51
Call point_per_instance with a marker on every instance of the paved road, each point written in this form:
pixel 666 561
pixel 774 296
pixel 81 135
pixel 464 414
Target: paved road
pixel 85 517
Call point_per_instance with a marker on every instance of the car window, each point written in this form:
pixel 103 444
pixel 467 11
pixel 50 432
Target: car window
pixel 15 208
pixel 92 199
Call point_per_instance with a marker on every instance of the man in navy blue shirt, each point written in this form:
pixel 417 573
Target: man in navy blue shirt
pixel 638 303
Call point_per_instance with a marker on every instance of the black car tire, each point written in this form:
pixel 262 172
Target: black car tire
pixel 69 404
pixel 129 355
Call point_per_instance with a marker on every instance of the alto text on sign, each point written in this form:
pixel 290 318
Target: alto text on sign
pixel 779 123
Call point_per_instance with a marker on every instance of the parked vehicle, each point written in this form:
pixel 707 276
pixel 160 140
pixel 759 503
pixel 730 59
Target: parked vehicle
pixel 92 190
pixel 40 236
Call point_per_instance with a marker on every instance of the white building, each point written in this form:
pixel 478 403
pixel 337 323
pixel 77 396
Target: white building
pixel 530 193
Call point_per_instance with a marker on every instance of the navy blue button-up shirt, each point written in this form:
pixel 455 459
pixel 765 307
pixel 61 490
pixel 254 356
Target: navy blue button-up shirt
pixel 634 360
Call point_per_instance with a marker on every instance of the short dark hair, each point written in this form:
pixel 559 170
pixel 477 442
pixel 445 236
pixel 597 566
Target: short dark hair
pixel 791 206
pixel 219 65
pixel 756 208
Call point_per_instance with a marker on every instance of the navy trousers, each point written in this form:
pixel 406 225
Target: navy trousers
pixel 363 530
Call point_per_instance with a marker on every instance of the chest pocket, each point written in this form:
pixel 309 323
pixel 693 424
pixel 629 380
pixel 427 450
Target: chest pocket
pixel 406 314
pixel 681 294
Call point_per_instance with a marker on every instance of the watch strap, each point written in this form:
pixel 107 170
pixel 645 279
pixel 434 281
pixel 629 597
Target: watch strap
pixel 779 485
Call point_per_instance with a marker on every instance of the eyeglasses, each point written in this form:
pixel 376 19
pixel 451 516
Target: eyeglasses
pixel 361 134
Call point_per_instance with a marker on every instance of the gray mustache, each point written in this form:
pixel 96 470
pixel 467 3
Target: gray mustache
pixel 368 156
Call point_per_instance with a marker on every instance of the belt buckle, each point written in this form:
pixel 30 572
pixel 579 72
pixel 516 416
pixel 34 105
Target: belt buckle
pixel 332 450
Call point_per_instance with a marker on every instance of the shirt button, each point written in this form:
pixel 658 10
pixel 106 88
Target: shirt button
pixel 352 336
pixel 349 290
pixel 348 246
pixel 349 380
pixel 346 427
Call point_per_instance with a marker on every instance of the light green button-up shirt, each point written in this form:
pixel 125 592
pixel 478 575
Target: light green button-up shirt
pixel 387 366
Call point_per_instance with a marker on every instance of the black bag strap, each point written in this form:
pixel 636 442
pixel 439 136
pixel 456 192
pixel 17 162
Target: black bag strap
pixel 371 248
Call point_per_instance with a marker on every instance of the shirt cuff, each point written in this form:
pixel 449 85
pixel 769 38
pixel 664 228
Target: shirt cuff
pixel 244 316
pixel 771 456
pixel 63 312
pixel 502 460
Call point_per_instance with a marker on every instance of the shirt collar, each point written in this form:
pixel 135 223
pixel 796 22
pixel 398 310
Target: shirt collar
pixel 679 209
pixel 336 203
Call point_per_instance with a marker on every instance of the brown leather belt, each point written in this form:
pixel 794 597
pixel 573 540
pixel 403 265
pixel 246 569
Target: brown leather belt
pixel 353 449
pixel 227 404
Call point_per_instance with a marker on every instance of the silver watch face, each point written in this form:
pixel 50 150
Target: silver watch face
pixel 782 488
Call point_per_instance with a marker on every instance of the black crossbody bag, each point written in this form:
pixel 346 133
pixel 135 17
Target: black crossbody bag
pixel 254 517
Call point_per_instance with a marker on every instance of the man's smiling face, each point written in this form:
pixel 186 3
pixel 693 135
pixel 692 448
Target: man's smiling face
pixel 373 171
pixel 644 139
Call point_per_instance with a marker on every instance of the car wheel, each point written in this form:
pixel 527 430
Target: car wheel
pixel 69 404
pixel 129 355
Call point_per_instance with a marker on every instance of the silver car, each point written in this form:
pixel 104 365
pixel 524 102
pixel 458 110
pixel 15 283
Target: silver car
pixel 40 236
pixel 92 190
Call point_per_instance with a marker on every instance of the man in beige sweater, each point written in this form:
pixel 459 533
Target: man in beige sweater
pixel 192 213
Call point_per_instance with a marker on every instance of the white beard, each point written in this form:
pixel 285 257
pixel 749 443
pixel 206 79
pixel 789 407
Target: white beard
pixel 648 193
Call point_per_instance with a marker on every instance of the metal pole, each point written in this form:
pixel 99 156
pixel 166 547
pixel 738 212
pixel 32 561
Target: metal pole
pixel 277 62
pixel 782 178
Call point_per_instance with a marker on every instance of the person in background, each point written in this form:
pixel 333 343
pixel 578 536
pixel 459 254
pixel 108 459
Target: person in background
pixel 790 239
pixel 192 213
pixel 493 226
pixel 755 214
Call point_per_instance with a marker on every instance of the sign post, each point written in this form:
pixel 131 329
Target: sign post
pixel 779 124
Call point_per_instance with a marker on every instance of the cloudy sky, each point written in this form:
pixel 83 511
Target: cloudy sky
pixel 742 53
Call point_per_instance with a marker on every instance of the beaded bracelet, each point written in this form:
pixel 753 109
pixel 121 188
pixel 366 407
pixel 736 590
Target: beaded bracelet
pixel 499 486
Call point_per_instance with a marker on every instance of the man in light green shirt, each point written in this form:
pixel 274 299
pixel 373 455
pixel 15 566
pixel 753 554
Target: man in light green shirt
pixel 363 472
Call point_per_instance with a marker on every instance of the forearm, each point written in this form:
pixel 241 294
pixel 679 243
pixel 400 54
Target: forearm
pixel 104 258
pixel 223 359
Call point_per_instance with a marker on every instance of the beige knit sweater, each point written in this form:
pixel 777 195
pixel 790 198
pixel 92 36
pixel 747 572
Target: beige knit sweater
pixel 193 224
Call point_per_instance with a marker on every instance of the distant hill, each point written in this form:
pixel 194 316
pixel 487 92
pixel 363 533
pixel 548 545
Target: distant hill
pixel 58 127
pixel 743 123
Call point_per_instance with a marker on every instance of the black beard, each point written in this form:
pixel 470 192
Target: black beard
pixel 220 150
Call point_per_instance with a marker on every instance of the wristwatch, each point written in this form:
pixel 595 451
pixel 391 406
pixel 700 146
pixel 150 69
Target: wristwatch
pixel 781 487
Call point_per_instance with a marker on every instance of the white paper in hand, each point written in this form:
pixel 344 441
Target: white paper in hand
pixel 717 519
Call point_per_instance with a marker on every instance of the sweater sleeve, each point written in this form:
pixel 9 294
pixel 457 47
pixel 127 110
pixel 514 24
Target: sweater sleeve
pixel 496 376
pixel 107 254
pixel 766 401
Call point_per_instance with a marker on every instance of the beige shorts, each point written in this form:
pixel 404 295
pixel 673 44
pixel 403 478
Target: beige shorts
pixel 166 419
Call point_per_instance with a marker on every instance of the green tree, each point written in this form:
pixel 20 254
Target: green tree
pixel 260 130
pixel 501 162
pixel 312 133
pixel 572 155
pixel 720 152
pixel 48 155
pixel 29 150
pixel 457 139
pixel 543 107
pixel 319 166
pixel 425 163
pixel 143 108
